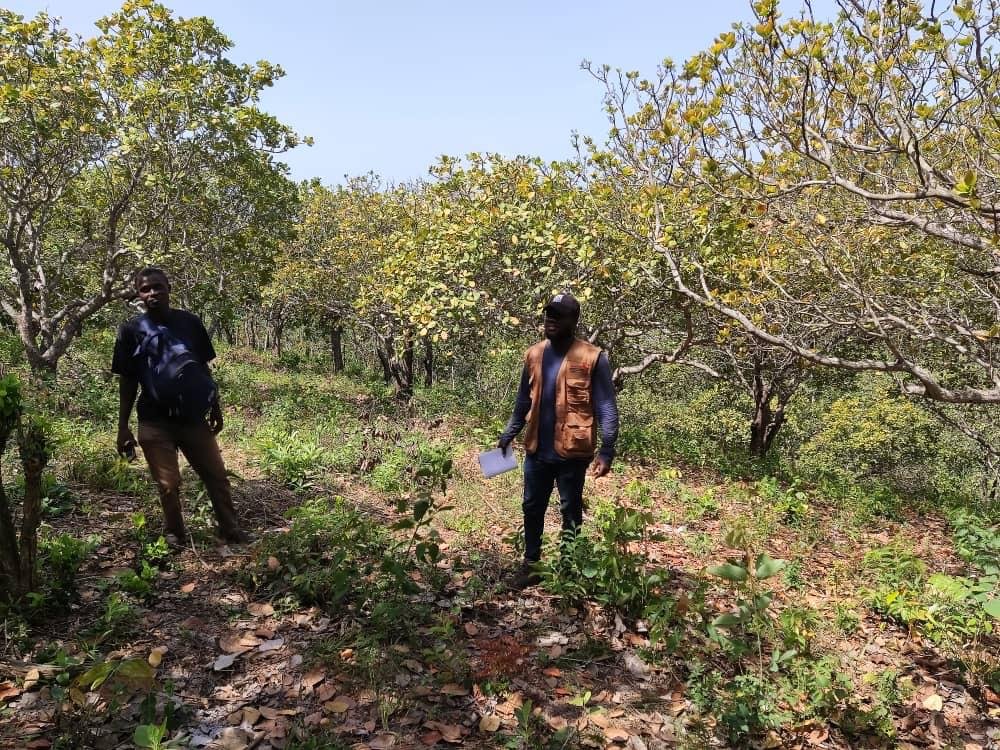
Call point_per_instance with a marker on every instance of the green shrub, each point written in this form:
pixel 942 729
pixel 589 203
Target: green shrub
pixel 88 459
pixel 60 557
pixel 397 468
pixel 294 459
pixel 329 554
pixel 602 564
pixel 977 541
pixel 871 432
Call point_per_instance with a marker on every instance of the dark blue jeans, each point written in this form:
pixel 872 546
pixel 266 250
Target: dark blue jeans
pixel 539 478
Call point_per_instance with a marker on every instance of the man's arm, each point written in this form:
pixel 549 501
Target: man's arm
pixel 521 407
pixel 215 415
pixel 127 390
pixel 606 411
pixel 206 352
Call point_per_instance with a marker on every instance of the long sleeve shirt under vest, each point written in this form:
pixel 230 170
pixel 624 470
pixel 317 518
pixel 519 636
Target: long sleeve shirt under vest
pixel 602 397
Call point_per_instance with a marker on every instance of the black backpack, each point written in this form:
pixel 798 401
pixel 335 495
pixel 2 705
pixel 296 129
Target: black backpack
pixel 173 377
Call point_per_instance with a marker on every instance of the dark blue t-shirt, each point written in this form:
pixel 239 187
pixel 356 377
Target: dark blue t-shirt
pixel 126 362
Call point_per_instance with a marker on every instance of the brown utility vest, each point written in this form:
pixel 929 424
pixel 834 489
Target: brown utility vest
pixel 575 430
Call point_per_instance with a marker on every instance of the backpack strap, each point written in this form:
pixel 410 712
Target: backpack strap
pixel 148 330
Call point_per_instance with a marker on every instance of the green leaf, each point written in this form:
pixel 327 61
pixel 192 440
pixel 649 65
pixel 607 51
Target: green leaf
pixel 136 669
pixel 992 608
pixel 949 586
pixel 94 677
pixel 148 735
pixel 727 620
pixel 420 509
pixel 729 571
pixel 767 567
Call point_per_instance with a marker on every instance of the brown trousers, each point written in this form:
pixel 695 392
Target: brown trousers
pixel 160 442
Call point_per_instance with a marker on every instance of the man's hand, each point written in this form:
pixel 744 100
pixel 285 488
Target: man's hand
pixel 600 467
pixel 503 444
pixel 215 419
pixel 125 444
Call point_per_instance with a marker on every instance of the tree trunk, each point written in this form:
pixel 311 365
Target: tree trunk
pixel 384 361
pixel 766 421
pixel 43 372
pixel 428 362
pixel 276 334
pixel 404 379
pixel 764 427
pixel 10 563
pixel 228 333
pixel 337 347
pixel 31 519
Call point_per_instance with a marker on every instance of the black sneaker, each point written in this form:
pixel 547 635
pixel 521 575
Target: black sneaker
pixel 524 577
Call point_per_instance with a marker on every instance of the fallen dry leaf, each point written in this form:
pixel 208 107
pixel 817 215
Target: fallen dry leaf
pixel 272 645
pixel 260 609
pixel 818 736
pixel 933 702
pixel 156 656
pixel 449 732
pixel 237 643
pixel 431 738
pixel 558 723
pixel 453 688
pixel 8 690
pixel 552 671
pixel 31 679
pixel 273 563
pixel 339 705
pixel 382 741
pixel 616 734
pixel 471 629
pixel 325 692
pixel 489 723
pixel 599 719
pixel 225 661
pixel 233 738
pixel 251 715
pixel 313 677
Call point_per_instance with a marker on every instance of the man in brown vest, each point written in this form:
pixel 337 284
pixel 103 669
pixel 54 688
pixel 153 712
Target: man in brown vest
pixel 565 391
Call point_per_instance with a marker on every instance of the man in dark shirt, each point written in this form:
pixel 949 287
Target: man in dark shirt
pixel 565 384
pixel 160 434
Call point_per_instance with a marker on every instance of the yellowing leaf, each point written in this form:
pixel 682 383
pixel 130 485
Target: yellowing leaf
pixel 489 723
pixel 156 656
pixel 340 704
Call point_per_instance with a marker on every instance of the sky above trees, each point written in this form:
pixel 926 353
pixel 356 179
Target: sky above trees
pixel 389 86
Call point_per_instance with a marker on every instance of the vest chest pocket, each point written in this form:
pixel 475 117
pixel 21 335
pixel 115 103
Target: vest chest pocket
pixel 577 391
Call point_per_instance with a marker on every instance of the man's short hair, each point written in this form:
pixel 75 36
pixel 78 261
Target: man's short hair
pixel 149 271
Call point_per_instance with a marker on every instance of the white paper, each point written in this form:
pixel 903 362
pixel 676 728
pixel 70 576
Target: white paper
pixel 497 461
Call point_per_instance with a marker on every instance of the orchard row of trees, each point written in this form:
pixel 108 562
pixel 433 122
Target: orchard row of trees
pixel 143 144
pixel 807 194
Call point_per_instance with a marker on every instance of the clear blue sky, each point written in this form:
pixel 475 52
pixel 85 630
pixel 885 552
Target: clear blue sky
pixel 389 86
